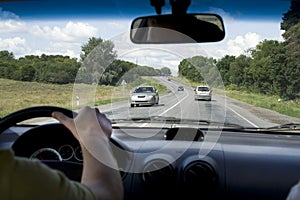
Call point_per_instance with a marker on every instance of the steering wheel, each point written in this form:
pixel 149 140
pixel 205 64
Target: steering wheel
pixel 72 169
pixel 31 112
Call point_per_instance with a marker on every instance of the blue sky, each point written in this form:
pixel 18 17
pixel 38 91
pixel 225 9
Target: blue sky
pixel 30 31
pixel 129 8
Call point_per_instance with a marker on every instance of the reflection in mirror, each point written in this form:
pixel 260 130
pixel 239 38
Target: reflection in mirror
pixel 189 28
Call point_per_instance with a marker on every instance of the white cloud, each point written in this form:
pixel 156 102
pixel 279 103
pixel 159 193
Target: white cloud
pixel 11 26
pixel 67 37
pixel 251 39
pixel 16 45
pixel 80 30
pixel 9 22
pixel 71 49
pixel 240 44
pixel 69 33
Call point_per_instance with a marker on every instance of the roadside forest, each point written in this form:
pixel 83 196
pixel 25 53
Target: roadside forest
pixel 272 67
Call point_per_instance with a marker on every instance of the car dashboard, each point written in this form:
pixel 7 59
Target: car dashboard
pixel 240 165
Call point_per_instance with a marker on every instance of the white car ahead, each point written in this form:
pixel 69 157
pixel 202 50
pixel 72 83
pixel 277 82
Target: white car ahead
pixel 203 92
pixel 144 95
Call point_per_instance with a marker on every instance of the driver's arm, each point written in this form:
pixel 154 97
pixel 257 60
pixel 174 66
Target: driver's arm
pixel 294 193
pixel 21 178
pixel 100 171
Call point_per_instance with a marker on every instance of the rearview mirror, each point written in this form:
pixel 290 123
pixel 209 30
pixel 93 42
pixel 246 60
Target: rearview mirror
pixel 188 28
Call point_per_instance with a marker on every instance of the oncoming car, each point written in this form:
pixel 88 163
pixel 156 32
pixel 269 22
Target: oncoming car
pixel 203 92
pixel 61 55
pixel 144 95
pixel 180 88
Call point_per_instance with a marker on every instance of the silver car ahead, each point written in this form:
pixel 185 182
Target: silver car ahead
pixel 203 92
pixel 144 95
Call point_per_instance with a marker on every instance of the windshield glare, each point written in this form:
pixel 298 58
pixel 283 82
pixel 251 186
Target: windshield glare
pixel 251 78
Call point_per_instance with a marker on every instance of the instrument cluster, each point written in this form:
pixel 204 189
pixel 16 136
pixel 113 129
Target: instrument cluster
pixel 65 152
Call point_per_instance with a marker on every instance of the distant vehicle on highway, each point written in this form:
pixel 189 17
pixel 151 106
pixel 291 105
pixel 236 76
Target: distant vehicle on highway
pixel 180 88
pixel 144 95
pixel 203 92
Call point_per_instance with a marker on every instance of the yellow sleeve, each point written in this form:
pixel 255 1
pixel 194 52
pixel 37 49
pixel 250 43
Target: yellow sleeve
pixel 21 179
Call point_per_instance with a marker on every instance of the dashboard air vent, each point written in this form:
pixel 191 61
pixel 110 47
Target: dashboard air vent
pixel 158 172
pixel 200 177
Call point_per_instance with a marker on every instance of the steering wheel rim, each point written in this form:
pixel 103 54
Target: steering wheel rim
pixel 32 112
pixel 43 111
pixel 46 111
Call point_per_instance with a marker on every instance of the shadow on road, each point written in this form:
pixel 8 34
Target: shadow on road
pixel 156 105
pixel 213 100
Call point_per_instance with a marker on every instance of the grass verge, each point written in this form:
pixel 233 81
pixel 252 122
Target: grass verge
pixel 289 107
pixel 16 95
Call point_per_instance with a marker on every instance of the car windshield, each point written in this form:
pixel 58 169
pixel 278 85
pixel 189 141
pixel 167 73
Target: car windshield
pixel 144 89
pixel 203 89
pixel 73 54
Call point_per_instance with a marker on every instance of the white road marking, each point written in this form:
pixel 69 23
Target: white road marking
pixel 145 124
pixel 173 106
pixel 243 117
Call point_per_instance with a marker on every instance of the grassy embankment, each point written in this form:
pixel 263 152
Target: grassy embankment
pixel 289 107
pixel 16 95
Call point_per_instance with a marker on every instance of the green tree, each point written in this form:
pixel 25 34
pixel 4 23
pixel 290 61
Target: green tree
pixel 189 70
pixel 265 73
pixel 199 69
pixel 97 56
pixel 224 65
pixel 291 24
pixel 6 56
pixel 166 71
pixel 27 73
pixel 7 64
pixel 89 46
pixel 292 16
pixel 292 68
pixel 236 72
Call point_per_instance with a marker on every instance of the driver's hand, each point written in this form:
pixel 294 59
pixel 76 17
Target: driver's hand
pixel 100 168
pixel 88 121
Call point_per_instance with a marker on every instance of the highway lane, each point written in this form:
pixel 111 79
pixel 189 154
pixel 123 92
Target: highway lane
pixel 181 104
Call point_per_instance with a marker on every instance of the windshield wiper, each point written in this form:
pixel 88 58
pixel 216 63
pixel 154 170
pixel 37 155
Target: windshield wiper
pixel 174 120
pixel 284 127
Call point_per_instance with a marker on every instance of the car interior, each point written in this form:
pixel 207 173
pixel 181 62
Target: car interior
pixel 186 150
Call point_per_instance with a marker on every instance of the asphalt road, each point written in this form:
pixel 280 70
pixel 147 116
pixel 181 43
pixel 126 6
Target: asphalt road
pixel 181 104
